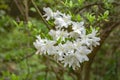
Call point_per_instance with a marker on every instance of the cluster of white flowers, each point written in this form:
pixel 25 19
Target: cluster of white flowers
pixel 73 46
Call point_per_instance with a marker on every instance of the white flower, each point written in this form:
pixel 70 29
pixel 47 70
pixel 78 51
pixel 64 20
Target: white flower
pixel 58 34
pixel 68 47
pixel 85 40
pixel 49 47
pixel 81 57
pixel 90 40
pixel 80 48
pixel 93 40
pixel 74 35
pixel 78 27
pixel 39 44
pixel 62 49
pixel 73 59
pixel 57 14
pixel 48 13
pixel 63 21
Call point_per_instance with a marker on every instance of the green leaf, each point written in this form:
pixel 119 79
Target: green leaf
pixel 16 24
pixel 32 9
pixel 14 77
pixel 91 18
pixel 79 18
pixel 59 40
pixel 106 13
pixel 71 4
pixel 81 2
pixel 29 24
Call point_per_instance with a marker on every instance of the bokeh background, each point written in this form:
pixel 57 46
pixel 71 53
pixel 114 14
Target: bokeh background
pixel 20 22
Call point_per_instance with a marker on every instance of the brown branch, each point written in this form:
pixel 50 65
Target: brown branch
pixel 40 14
pixel 51 59
pixel 20 7
pixel 19 60
pixel 26 10
pixel 26 57
pixel 96 3
pixel 88 6
pixel 104 34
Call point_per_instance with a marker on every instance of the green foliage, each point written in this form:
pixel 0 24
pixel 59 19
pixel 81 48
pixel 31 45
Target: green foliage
pixel 17 37
pixel 5 23
pixel 104 16
pixel 91 18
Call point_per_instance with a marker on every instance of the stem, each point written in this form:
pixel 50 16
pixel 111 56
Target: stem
pixel 104 35
pixel 20 7
pixel 26 10
pixel 40 15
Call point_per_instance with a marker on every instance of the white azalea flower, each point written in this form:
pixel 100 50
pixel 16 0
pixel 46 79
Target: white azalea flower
pixel 58 34
pixel 71 60
pixel 74 35
pixel 63 21
pixel 81 57
pixel 93 40
pixel 57 14
pixel 49 47
pixel 39 44
pixel 48 13
pixel 85 40
pixel 74 59
pixel 69 46
pixel 80 48
pixel 62 49
pixel 78 27
pixel 74 45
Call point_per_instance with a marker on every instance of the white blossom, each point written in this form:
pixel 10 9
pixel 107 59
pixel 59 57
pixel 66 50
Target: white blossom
pixel 63 21
pixel 67 47
pixel 39 44
pixel 48 13
pixel 78 27
pixel 57 14
pixel 80 48
pixel 94 40
pixel 71 60
pixel 56 34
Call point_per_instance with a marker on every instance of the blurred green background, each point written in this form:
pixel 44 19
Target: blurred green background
pixel 18 32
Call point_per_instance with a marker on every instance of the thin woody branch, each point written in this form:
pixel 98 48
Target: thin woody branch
pixel 92 4
pixel 104 34
pixel 20 7
pixel 40 14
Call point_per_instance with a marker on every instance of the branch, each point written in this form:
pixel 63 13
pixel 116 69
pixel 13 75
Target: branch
pixel 51 59
pixel 40 14
pixel 26 10
pixel 19 60
pixel 96 3
pixel 26 57
pixel 104 34
pixel 20 7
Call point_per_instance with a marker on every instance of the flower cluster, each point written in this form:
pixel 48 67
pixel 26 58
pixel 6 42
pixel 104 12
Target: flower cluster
pixel 70 43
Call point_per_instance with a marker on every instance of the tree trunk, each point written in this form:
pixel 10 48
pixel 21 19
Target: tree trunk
pixel 85 73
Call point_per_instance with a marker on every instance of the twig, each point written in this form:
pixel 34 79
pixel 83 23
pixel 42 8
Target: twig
pixel 40 14
pixel 87 6
pixel 26 57
pixel 20 7
pixel 92 4
pixel 26 10
pixel 18 61
pixel 28 71
pixel 51 59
